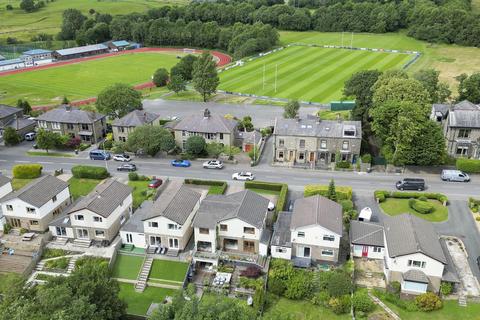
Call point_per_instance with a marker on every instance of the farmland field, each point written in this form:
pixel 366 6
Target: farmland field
pixel 82 80
pixel 306 73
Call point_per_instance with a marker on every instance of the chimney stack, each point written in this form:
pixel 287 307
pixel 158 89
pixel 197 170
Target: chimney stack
pixel 68 108
pixel 206 114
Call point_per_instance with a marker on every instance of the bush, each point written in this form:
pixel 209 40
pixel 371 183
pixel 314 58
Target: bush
pixel 362 302
pixel 90 172
pixel 468 165
pixel 423 207
pixel 11 137
pixel 133 176
pixel 340 305
pixel 422 198
pixel 396 287
pixel 343 193
pixel 339 283
pixel 343 165
pixel 367 158
pixel 347 205
pixel 428 301
pixel 446 288
pixel 195 145
pixel 7 227
pixel 300 285
pixel 61 263
pixel 160 77
pixel 27 171
pixel 321 299
pixel 53 253
pixel 276 286
pixel 381 195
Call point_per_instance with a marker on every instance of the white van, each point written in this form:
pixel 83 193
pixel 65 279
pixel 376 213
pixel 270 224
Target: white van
pixel 30 136
pixel 455 175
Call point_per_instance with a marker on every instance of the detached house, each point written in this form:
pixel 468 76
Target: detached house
pixel 5 188
pixel 89 127
pixel 124 126
pixel 314 142
pixel 309 234
pixel 97 216
pixel 13 118
pixel 34 206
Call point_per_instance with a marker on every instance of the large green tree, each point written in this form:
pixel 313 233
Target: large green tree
pixel 195 145
pixel 360 86
pixel 184 67
pixel 205 78
pixel 47 139
pixel 429 78
pixel 11 137
pixel 160 77
pixel 150 139
pixel 400 89
pixel 72 22
pixel 118 100
pixel 469 87
pixel 291 109
pixel 177 84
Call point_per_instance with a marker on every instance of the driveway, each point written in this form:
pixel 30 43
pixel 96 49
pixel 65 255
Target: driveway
pixel 362 201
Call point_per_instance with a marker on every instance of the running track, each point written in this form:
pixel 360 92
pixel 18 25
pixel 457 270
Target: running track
pixel 221 58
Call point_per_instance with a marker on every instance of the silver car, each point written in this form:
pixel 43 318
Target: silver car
pixel 213 164
pixel 455 175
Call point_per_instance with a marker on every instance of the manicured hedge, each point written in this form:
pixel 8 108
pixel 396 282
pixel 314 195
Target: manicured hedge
pixel 282 188
pixel 381 195
pixel 222 184
pixel 468 165
pixel 422 207
pixel 27 171
pixel 343 193
pixel 90 172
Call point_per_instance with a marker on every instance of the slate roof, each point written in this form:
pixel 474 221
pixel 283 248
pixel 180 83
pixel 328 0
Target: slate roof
pixel 440 108
pixel 20 123
pixel 84 49
pixel 246 205
pixel 36 51
pixel 281 230
pixel 62 114
pixel 449 271
pixel 104 199
pixel 415 275
pixel 314 128
pixel 136 118
pixel 248 137
pixel 6 111
pixel 4 180
pixel 135 223
pixel 464 114
pixel 213 123
pixel 406 234
pixel 317 210
pixel 39 191
pixel 176 202
pixel 10 61
pixel 366 233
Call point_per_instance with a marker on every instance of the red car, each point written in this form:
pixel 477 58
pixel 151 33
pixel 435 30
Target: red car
pixel 155 183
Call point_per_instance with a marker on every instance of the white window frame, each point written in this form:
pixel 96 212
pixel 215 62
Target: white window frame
pixel 79 217
pixel 301 234
pixel 31 210
pixel 56 125
pixel 153 224
pixel 100 233
pixel 97 219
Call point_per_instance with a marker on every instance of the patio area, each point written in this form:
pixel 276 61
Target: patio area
pixel 369 273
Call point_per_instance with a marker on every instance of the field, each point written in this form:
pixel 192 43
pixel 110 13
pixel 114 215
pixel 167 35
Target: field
pixel 306 73
pixel 22 25
pixel 82 80
pixel 138 303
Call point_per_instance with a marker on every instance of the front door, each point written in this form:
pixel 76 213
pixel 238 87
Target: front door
pixel 173 243
pixel 82 233
pixel 16 223
pixel 290 157
pixel 365 251
pixel 306 252
pixel 312 156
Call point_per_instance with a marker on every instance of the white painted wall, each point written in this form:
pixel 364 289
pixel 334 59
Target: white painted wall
pixel 5 189
pixel 12 66
pixel 210 237
pixel 263 249
pixel 400 264
pixel 69 231
pixel 138 239
pixel 285 254
pixel 235 230
pixel 357 252
pixel 314 237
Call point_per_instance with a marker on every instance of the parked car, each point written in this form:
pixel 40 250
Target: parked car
pixel 100 155
pixel 455 175
pixel 244 176
pixel 127 167
pixel 30 136
pixel 180 163
pixel 411 184
pixel 121 157
pixel 155 183
pixel 213 164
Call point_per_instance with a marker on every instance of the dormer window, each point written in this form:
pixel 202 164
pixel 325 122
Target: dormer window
pixel 30 210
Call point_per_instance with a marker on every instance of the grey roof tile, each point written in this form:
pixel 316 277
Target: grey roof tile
pixel 281 230
pixel 317 210
pixel 366 233
pixel 21 123
pixel 415 275
pixel 83 49
pixel 449 271
pixel 136 118
pixel 135 223
pixel 315 128
pixel 212 123
pixel 6 111
pixel 464 114
pixel 62 114
pixel 4 180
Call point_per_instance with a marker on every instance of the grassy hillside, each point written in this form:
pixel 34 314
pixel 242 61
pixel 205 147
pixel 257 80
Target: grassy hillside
pixel 22 25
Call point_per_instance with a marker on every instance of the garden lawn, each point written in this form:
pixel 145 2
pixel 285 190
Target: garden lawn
pixel 138 303
pixel 301 310
pixel 334 115
pixel 81 187
pixel 20 183
pixel 215 190
pixel 48 154
pixel 139 188
pixel 81 80
pixel 393 207
pixel 168 270
pixel 127 267
pixel 264 191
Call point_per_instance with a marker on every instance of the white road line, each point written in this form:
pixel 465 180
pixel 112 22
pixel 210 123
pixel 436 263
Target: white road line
pixel 3 160
pixel 46 162
pixel 21 161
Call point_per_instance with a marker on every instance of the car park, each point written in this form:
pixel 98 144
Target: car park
pixel 213 164
pixel 30 136
pixel 455 175
pixel 99 155
pixel 127 167
pixel 243 176
pixel 411 184
pixel 155 183
pixel 180 163
pixel 122 157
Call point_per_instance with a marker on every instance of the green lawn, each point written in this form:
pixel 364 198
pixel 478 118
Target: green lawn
pixel 168 270
pixel 82 80
pixel 301 310
pixel 138 303
pixel 189 95
pixel 215 190
pixel 334 115
pixel 20 183
pixel 265 191
pixel 140 192
pixel 48 154
pixel 81 187
pixel 393 207
pixel 127 267
pixel 306 73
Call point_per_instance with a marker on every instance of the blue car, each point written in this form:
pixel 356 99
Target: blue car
pixel 181 163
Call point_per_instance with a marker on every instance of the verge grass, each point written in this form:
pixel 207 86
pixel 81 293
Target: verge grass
pixel 48 154
pixel 393 207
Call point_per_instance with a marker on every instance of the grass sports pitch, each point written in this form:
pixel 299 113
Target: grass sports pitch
pixel 306 73
pixel 84 79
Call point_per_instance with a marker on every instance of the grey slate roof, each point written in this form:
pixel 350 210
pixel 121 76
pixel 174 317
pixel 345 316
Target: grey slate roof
pixel 6 111
pixel 248 137
pixel 214 123
pixel 415 275
pixel 11 61
pixel 36 51
pixel 246 205
pixel 84 49
pixel 104 199
pixel 314 128
pixel 135 223
pixel 449 271
pixel 74 115
pixel 136 118
pixel 39 191
pixel 21 123
pixel 4 180
pixel 406 234
pixel 176 202
pixel 366 233
pixel 281 230
pixel 317 210
pixel 464 114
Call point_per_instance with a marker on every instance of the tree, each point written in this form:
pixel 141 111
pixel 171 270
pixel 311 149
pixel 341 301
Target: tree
pixel 254 152
pixel 184 68
pixel 118 100
pixel 360 86
pixel 205 78
pixel 331 192
pixel 291 109
pixel 47 139
pixel 469 87
pixel 24 105
pixel 437 91
pixel 177 84
pixel 65 100
pixel 150 139
pixel 72 21
pixel 339 283
pixel 231 151
pixel 195 145
pixel 160 77
pixel 245 124
pixel 214 149
pixel 27 5
pixel 11 137
pixel 400 89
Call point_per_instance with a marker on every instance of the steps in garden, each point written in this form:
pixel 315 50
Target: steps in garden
pixel 71 264
pixel 40 265
pixel 82 243
pixel 60 241
pixel 462 301
pixel 128 247
pixel 141 283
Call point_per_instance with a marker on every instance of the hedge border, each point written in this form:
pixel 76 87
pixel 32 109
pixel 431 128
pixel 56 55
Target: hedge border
pixel 89 172
pixel 200 182
pixel 468 165
pixel 382 195
pixel 282 188
pixel 343 192
pixel 27 171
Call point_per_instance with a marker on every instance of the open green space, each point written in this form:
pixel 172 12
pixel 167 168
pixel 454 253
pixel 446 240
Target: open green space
pixel 306 73
pixel 168 270
pixel 189 95
pixel 127 267
pixel 140 192
pixel 138 303
pixel 393 207
pixel 81 187
pixel 20 183
pixel 82 80
pixel 48 154
pixel 17 23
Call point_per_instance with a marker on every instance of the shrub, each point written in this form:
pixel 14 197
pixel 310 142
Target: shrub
pixel 347 205
pixel 446 288
pixel 133 176
pixel 343 165
pixel 423 207
pixel 422 198
pixel 468 165
pixel 160 77
pixel 477 218
pixel 195 145
pixel 395 286
pixel 343 193
pixel 90 172
pixel 11 137
pixel 380 195
pixel 61 263
pixel 428 301
pixel 27 171
pixel 251 272
pixel 276 286
pixel 7 227
pixel 339 284
pixel 367 158
pixel 320 299
pixel 300 285
pixel 362 302
pixel 340 305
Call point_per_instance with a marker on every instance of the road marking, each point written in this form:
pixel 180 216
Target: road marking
pixel 67 163
pixel 46 162
pixel 3 160
pixel 21 161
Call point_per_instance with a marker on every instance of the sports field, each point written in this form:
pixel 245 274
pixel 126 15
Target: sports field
pixel 306 73
pixel 82 80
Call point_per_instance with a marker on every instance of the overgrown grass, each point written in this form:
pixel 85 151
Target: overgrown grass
pixel 189 95
pixel 141 192
pixel 127 267
pixel 20 183
pixel 138 303
pixel 81 187
pixel 395 206
pixel 265 191
pixel 216 190
pixel 168 270
pixel 53 253
pixel 334 115
pixel 60 263
pixel 48 154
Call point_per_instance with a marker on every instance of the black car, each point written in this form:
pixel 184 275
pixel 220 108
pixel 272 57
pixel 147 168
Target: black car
pixel 411 184
pixel 127 167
